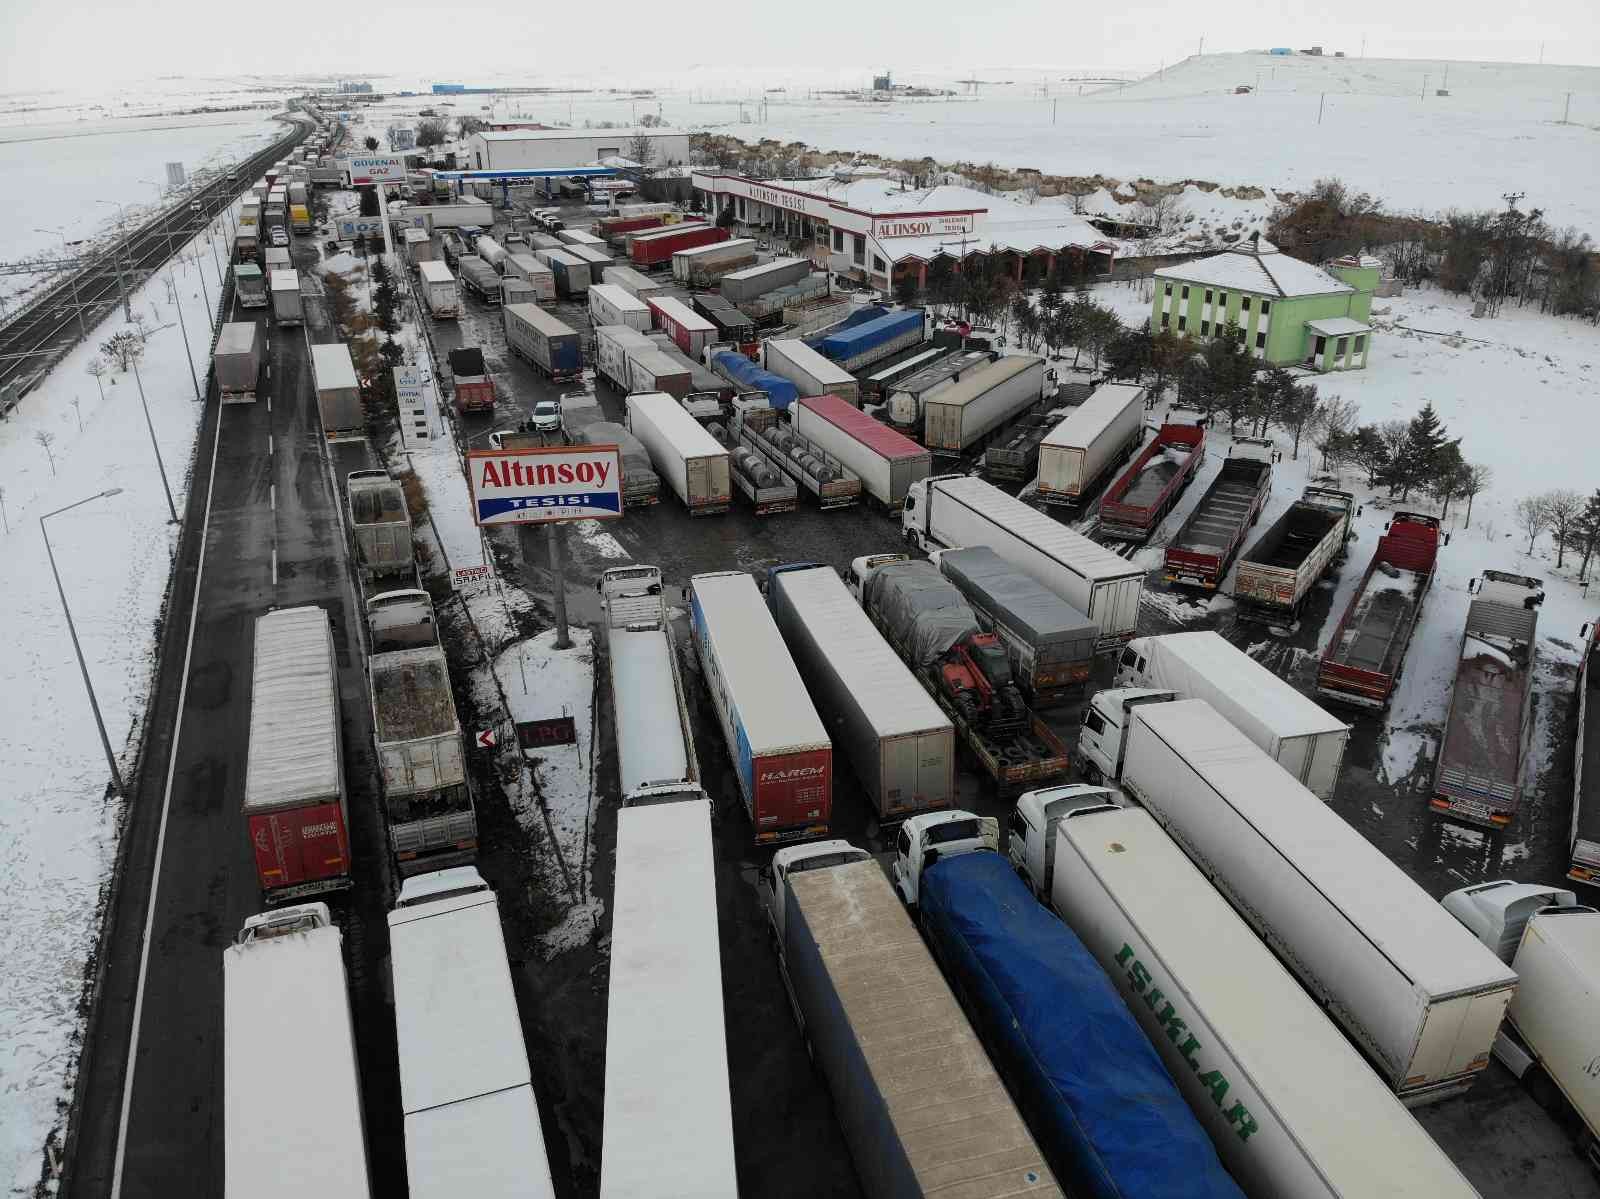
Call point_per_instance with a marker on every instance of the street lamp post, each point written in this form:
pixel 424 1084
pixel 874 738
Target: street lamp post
pixel 116 258
pixel 177 300
pixel 160 466
pixel 83 330
pixel 105 741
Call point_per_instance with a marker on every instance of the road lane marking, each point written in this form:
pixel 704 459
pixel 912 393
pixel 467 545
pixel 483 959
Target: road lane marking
pixel 161 835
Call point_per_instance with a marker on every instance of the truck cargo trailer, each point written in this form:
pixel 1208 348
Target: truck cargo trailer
pixel 1584 837
pixel 1139 499
pixel 900 744
pixel 1368 647
pixel 733 326
pixel 921 1107
pixel 548 343
pixel 237 361
pixel 333 372
pixel 1291 1107
pixel 465 1088
pixel 641 486
pixel 1277 573
pixel 781 753
pixel 1292 730
pixel 478 277
pixel 859 346
pixel 701 266
pixel 657 246
pixel 472 383
pixel 380 524
pixel 887 462
pixel 1204 548
pixel 953 511
pixel 289 1070
pixel 633 282
pixel 960 417
pixel 907 396
pixel 752 281
pixel 1479 776
pixel 439 289
pixel 612 305
pixel 691 461
pixel 691 331
pixel 294 803
pixel 1418 997
pixel 613 346
pixel 250 285
pixel 286 307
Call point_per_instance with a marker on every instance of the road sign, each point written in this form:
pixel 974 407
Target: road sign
pixel 375 168
pixel 545 485
pixel 470 578
pixel 555 730
pixel 486 739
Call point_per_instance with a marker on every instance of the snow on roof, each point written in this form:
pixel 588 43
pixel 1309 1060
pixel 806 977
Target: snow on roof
pixel 1338 326
pixel 555 135
pixel 489 1145
pixel 1261 269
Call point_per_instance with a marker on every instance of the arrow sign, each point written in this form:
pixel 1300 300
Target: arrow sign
pixel 485 738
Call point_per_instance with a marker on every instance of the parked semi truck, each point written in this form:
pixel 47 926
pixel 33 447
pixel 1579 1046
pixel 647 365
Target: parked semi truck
pixel 1365 655
pixel 665 1040
pixel 333 372
pixel 465 1087
pixel 380 524
pixel 250 285
pixel 1292 730
pixel 439 290
pixel 613 305
pixel 895 737
pixel 857 347
pixel 749 282
pixel 1553 944
pixel 237 361
pixel 907 396
pixel 1290 1105
pixel 965 669
pixel 768 490
pixel 1584 852
pixel 549 344
pixel 810 372
pixel 294 803
pixel 886 462
pixel 781 753
pixel 472 383
pixel 635 283
pixel 427 801
pixel 703 265
pixel 953 511
pixel 1277 573
pixel 641 486
pixel 1139 499
pixel 1420 1000
pixel 1013 457
pixel 1082 451
pixel 691 331
pixel 478 277
pixel 1051 644
pixel 1479 776
pixel 286 303
pixel 959 418
pixel 1091 1087
pixel 923 1113
pixel 1204 548
pixel 691 461
pixel 812 467
pixel 291 1082
pixel 747 378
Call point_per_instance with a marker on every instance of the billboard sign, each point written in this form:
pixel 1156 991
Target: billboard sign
pixel 175 175
pixel 884 228
pixel 374 168
pixel 546 484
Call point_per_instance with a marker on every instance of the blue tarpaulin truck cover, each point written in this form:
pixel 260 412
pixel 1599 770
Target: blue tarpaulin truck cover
pixel 741 370
pixel 1088 1082
pixel 847 343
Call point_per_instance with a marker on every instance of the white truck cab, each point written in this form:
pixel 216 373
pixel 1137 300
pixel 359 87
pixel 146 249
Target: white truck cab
pixel 925 839
pixel 1498 912
pixel 401 619
pixel 283 921
pixel 795 859
pixel 1104 737
pixel 861 569
pixel 914 512
pixel 1031 846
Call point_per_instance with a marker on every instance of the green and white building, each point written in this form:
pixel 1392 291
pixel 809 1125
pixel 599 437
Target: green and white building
pixel 1290 313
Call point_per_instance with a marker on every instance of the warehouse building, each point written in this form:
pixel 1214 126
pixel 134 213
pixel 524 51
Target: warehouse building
pixel 1289 312
pixel 877 231
pixel 540 149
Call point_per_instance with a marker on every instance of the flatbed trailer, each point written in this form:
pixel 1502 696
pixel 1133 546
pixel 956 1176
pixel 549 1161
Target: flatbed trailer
pixel 1364 656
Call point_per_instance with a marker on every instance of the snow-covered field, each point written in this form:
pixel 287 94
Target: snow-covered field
pixel 57 826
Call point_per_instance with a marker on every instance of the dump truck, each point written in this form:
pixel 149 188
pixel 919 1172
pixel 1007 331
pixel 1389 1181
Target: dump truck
pixel 294 805
pixel 779 747
pixel 1290 1105
pixel 1365 655
pixel 900 744
pixel 1294 731
pixel 1204 548
pixel 1091 1087
pixel 1082 451
pixel 920 1116
pixel 380 525
pixel 472 383
pixel 966 670
pixel 1277 573
pixel 1370 945
pixel 250 285
pixel 1051 644
pixel 427 802
pixel 1139 499
pixel 1479 776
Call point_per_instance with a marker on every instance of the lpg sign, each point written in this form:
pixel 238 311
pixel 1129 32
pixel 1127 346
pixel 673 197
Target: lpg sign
pixel 547 484
pixel 375 168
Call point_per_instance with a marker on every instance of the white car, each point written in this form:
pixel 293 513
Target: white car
pixel 278 237
pixel 546 416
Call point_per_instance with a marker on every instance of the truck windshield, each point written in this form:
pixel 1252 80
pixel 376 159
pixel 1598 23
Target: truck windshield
pixel 954 830
pixel 826 861
pixel 993 662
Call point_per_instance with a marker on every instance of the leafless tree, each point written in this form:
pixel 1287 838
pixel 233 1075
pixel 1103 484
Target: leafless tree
pixel 1476 478
pixel 1563 509
pixel 77 409
pixel 97 369
pixel 1532 515
pixel 1335 422
pixel 46 439
pixel 641 149
pixel 122 348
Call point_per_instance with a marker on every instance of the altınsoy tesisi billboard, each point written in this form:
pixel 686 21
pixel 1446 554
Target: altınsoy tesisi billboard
pixel 546 484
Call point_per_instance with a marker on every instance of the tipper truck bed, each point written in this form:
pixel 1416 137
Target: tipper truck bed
pixel 1277 573
pixel 1479 777
pixel 1139 499
pixel 1201 553
pixel 1364 656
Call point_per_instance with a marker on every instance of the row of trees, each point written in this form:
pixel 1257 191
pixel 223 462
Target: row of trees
pixel 1495 255
pixel 1573 520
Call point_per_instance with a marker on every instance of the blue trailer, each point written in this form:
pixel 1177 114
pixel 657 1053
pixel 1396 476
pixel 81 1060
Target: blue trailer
pixel 858 346
pixel 745 374
pixel 1110 1120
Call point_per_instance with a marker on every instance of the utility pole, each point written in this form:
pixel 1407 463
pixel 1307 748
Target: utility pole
pixel 1363 45
pixel 73 278
pixel 1321 104
pixel 1424 95
pixel 558 583
pixel 160 466
pixel 1053 104
pixel 1567 111
pixel 1202 49
pixel 116 259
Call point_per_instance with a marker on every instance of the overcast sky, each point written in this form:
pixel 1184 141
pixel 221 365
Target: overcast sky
pixel 74 43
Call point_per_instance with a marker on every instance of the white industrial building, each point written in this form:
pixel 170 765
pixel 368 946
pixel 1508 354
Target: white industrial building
pixel 542 149
pixel 876 230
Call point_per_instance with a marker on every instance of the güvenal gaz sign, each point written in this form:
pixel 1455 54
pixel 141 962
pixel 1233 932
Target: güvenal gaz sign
pixel 375 168
pixel 546 484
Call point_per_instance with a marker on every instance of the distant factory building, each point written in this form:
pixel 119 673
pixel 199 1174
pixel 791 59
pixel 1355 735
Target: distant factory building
pixel 1289 312
pixel 538 149
pixel 875 231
